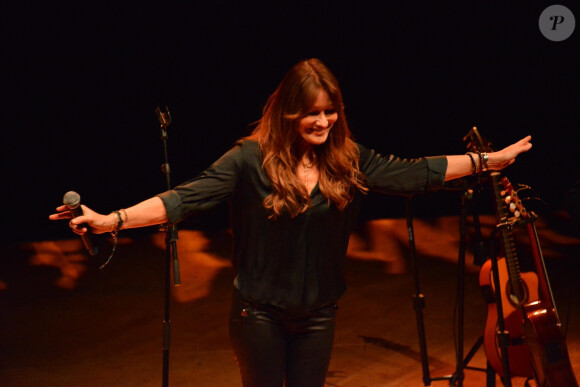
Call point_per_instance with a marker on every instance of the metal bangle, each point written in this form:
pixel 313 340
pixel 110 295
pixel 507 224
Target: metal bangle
pixel 485 158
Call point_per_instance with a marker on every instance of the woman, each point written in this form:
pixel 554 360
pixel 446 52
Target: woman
pixel 294 187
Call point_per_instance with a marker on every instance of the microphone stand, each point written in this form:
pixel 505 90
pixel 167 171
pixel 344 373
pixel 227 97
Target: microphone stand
pixel 457 378
pixel 170 248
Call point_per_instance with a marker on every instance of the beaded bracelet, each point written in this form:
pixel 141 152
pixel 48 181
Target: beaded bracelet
pixel 480 162
pixel 126 216
pixel 114 233
pixel 472 162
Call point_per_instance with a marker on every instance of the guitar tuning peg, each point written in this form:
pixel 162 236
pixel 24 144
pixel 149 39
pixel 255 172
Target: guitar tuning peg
pixel 507 199
pixel 513 207
pixel 517 214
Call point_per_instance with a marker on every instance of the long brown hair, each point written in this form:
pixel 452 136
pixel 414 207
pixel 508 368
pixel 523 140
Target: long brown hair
pixel 276 133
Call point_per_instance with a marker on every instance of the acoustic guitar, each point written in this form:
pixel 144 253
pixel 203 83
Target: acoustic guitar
pixel 537 346
pixel 516 290
pixel 542 328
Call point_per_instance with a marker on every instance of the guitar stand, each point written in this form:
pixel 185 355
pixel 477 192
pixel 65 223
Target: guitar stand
pixel 419 300
pixel 502 334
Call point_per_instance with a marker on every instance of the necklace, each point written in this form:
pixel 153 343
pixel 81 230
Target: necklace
pixel 306 168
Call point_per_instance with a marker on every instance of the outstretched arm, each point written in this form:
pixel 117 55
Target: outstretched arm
pixel 147 213
pixel 461 165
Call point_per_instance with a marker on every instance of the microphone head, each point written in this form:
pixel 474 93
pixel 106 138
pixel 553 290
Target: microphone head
pixel 71 199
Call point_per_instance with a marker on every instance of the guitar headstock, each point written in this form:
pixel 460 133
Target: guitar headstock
pixel 512 200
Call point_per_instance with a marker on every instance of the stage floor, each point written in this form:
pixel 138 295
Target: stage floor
pixel 64 322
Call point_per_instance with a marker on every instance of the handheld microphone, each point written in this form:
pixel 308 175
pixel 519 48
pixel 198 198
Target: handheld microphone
pixel 72 200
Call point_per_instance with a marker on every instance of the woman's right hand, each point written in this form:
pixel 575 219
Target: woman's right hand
pixel 97 223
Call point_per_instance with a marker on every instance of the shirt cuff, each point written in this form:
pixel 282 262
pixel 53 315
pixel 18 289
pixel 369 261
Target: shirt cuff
pixel 172 202
pixel 437 166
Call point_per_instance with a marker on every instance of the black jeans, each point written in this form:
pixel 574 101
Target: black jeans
pixel 272 345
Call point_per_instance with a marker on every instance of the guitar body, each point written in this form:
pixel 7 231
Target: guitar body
pixel 546 341
pixel 519 356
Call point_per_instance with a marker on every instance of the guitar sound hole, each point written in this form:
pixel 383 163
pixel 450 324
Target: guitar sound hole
pixel 517 297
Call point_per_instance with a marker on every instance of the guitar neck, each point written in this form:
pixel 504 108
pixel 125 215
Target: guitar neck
pixel 517 293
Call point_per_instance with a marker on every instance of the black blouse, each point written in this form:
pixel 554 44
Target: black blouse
pixel 294 263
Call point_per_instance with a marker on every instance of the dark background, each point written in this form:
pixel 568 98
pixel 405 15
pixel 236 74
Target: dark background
pixel 81 81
